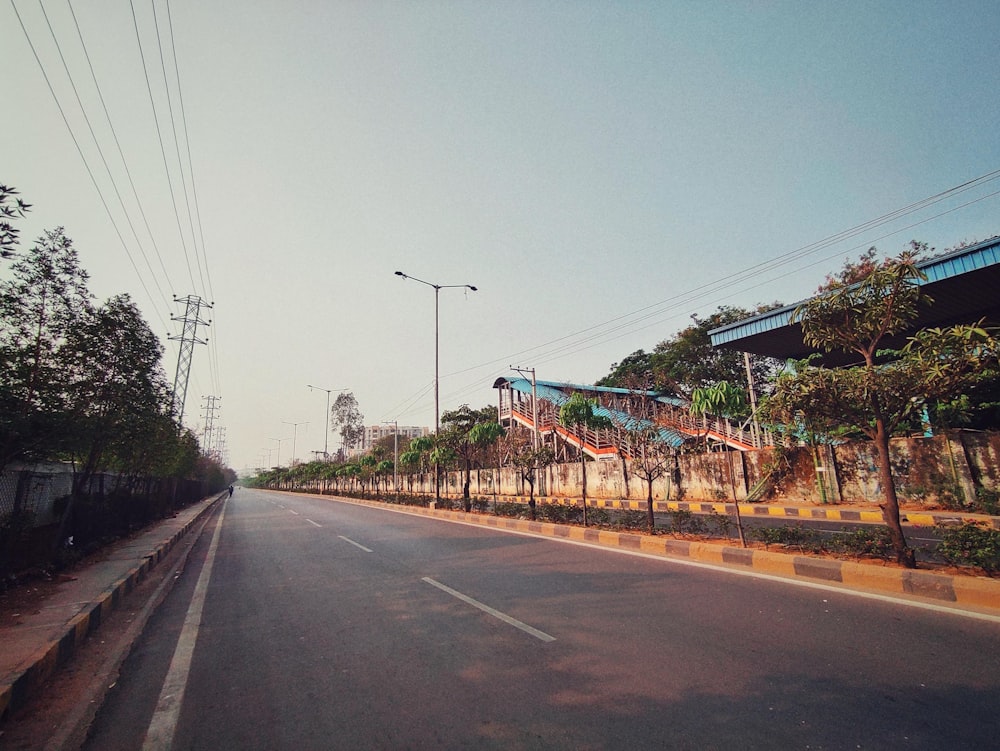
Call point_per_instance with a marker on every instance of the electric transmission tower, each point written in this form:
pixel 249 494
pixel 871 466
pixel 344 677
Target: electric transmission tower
pixel 188 338
pixel 210 433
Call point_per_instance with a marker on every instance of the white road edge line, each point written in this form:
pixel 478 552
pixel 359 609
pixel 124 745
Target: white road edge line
pixel 900 599
pixel 160 733
pixel 293 511
pixel 541 635
pixel 314 523
pixel 355 544
pixel 955 610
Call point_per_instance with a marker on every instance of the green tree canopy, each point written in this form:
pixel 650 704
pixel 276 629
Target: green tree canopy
pixel 688 360
pixel 45 296
pixel 577 414
pixel 882 392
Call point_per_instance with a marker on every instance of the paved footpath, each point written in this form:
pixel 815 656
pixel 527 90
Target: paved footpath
pixel 36 644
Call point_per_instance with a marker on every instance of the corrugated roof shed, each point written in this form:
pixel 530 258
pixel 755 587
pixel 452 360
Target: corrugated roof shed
pixel 964 286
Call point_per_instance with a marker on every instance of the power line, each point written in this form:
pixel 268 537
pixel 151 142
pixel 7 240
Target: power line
pixel 163 152
pixel 121 152
pixel 576 341
pixel 177 147
pixel 83 158
pixel 100 151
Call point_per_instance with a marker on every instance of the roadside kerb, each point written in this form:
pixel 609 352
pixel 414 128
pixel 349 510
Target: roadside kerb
pixel 967 591
pixel 756 510
pixel 21 682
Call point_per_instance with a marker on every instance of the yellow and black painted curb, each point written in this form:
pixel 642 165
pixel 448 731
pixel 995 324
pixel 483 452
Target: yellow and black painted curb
pixel 814 513
pixel 23 683
pixel 976 592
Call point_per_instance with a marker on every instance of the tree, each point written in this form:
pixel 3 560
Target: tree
pixel 651 458
pixel 889 386
pixel 46 294
pixel 441 455
pixel 529 461
pixel 457 426
pixel 636 370
pixel 115 382
pixel 11 207
pixel 688 360
pixel 577 414
pixel 368 464
pixel 723 400
pixel 482 436
pixel 346 416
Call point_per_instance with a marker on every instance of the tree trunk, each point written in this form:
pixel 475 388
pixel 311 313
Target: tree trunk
pixel 890 509
pixel 531 497
pixel 466 500
pixel 650 518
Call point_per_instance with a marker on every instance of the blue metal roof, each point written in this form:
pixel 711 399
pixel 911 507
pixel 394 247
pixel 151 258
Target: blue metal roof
pixel 963 285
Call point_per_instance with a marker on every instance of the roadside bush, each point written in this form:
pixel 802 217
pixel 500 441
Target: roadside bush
pixel 511 509
pixel 971 545
pixel 804 539
pixel 874 542
pixel 559 514
pixel 723 524
pixel 482 505
pixel 597 517
pixel 632 520
pixel 987 501
pixel 686 523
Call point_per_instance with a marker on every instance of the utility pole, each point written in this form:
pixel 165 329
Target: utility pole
pixel 188 338
pixel 534 421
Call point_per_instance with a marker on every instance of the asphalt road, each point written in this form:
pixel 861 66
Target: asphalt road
pixel 327 625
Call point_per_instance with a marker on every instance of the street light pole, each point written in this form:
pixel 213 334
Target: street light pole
pixel 277 458
pixel 437 373
pixel 295 430
pixel 326 436
pixel 395 453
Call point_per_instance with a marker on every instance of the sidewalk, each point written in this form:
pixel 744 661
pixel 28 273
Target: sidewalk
pixel 37 643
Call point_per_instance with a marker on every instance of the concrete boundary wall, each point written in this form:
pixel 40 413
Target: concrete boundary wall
pixel 946 470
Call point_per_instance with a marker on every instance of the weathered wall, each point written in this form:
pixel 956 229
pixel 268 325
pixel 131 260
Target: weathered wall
pixel 942 470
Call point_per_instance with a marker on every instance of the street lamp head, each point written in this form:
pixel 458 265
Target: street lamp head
pixel 471 287
pixel 400 273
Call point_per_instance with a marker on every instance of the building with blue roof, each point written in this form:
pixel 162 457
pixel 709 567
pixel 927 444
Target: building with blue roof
pixel 962 287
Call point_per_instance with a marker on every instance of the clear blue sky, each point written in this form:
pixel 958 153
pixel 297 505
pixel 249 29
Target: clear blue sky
pixel 599 170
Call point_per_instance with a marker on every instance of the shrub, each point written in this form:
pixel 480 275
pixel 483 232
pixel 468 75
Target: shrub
pixel 803 538
pixel 632 520
pixel 861 541
pixel 481 505
pixel 971 545
pixel 511 509
pixel 723 524
pixel 559 514
pixel 987 501
pixel 686 523
pixel 598 517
